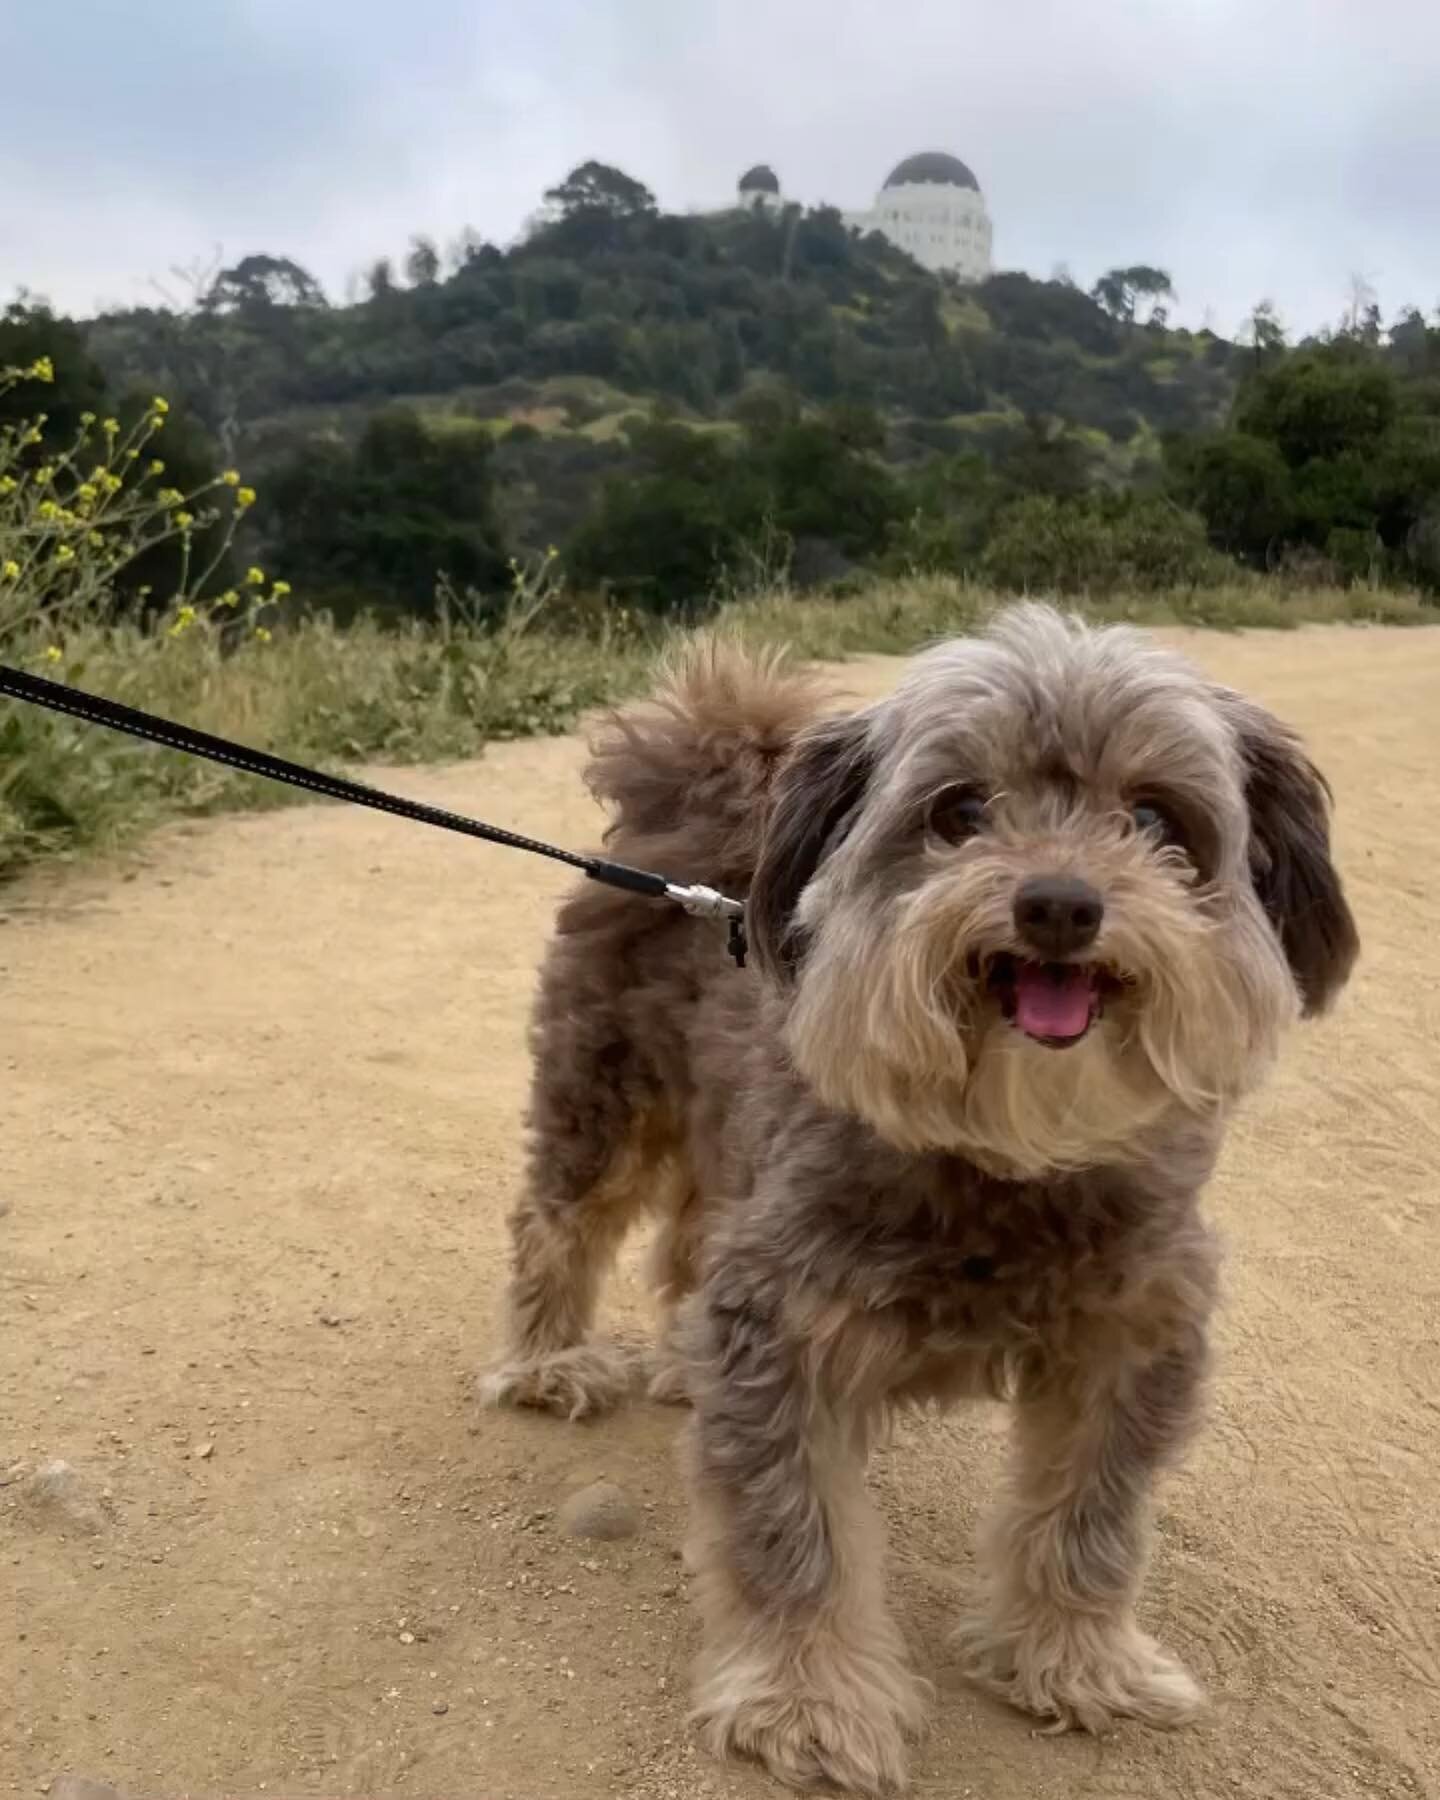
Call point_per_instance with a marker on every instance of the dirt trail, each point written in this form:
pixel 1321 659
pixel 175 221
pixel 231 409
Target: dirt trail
pixel 261 1098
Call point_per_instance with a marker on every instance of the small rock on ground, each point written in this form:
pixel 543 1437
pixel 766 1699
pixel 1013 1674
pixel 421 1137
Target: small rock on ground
pixel 601 1510
pixel 57 1494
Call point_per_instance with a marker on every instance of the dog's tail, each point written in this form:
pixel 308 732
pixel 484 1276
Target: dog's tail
pixel 686 775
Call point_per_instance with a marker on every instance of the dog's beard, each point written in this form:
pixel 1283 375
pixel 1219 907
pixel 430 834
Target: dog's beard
pixel 924 1017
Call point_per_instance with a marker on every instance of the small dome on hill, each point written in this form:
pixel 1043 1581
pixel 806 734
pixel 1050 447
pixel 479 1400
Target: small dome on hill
pixel 934 167
pixel 762 179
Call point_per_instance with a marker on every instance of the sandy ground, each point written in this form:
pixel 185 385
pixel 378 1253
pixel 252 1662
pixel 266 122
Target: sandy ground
pixel 261 1096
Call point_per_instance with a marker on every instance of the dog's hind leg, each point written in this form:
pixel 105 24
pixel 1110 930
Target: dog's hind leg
pixel 597 1154
pixel 674 1268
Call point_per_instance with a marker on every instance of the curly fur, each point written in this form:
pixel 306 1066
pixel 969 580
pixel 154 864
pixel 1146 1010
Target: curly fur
pixel 876 1190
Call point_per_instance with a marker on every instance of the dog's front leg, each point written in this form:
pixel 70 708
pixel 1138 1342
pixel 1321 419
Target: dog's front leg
pixel 1063 1557
pixel 802 1667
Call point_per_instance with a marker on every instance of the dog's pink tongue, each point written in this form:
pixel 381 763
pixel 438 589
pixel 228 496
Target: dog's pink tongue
pixel 1053 1000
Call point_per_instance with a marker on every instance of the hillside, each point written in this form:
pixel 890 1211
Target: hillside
pixel 659 409
pixel 605 314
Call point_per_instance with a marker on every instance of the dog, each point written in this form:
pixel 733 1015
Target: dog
pixel 1023 933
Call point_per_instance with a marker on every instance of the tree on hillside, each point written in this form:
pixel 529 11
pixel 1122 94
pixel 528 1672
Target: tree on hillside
pixel 1326 450
pixel 463 249
pixel 1320 404
pixel 1239 484
pixel 1264 330
pixel 595 188
pixel 258 282
pixel 422 264
pixel 1043 457
pixel 380 278
pixel 380 523
pixel 1120 291
pixel 1361 317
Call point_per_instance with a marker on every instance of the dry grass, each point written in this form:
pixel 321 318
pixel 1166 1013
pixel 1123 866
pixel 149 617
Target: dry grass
pixel 443 690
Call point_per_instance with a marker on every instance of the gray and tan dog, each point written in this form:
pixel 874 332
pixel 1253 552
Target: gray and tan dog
pixel 1025 932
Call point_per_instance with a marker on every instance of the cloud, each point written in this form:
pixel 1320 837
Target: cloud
pixel 1250 150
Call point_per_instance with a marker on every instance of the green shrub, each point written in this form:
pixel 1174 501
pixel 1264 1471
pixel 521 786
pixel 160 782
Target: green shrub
pixel 1100 544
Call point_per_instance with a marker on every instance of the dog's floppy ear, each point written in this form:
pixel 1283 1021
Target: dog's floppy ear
pixel 1290 862
pixel 817 793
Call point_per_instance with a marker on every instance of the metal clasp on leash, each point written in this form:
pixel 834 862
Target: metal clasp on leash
pixel 707 903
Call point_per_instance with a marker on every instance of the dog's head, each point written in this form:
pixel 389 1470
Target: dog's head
pixel 1057 886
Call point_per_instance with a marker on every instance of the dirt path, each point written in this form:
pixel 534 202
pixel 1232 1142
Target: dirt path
pixel 261 1094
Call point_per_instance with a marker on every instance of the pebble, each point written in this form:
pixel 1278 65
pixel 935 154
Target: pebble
pixel 440 1707
pixel 601 1510
pixel 205 1450
pixel 56 1493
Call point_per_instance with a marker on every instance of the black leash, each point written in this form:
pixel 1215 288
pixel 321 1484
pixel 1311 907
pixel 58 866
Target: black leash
pixel 702 902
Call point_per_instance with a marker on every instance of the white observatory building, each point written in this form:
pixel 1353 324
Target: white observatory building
pixel 930 206
pixel 759 190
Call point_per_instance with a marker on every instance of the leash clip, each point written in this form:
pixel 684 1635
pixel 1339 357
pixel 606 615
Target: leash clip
pixel 707 903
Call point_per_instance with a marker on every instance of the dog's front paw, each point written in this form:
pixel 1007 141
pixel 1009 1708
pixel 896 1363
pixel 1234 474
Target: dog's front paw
pixel 827 1716
pixel 575 1383
pixel 807 1742
pixel 1080 1673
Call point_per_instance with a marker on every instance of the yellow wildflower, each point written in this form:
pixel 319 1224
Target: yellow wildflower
pixel 10 570
pixel 87 418
pixel 132 456
pixel 184 619
pixel 231 478
pixel 111 483
pixel 47 510
pixel 64 554
pixel 262 635
pixel 32 436
pixel 160 406
pixel 156 467
pixel 245 497
pixel 86 493
pixel 8 484
pixel 254 577
pixel 111 427
pixel 170 497
pixel 53 653
pixel 228 598
pixel 183 520
pixel 44 475
pixel 42 369
pixel 279 590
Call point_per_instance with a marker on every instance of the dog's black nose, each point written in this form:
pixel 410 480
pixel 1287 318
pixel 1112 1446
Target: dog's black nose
pixel 1058 914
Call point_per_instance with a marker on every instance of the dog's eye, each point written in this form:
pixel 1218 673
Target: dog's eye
pixel 957 813
pixel 1155 821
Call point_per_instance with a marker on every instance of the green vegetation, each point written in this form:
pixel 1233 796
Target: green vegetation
pixel 240 663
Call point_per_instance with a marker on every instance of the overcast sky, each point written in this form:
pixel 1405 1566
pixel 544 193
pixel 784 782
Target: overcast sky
pixel 1252 147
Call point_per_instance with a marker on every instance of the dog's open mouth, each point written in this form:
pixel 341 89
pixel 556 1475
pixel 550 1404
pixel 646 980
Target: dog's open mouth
pixel 1055 1003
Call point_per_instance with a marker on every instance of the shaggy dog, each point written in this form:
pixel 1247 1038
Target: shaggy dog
pixel 1024 933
